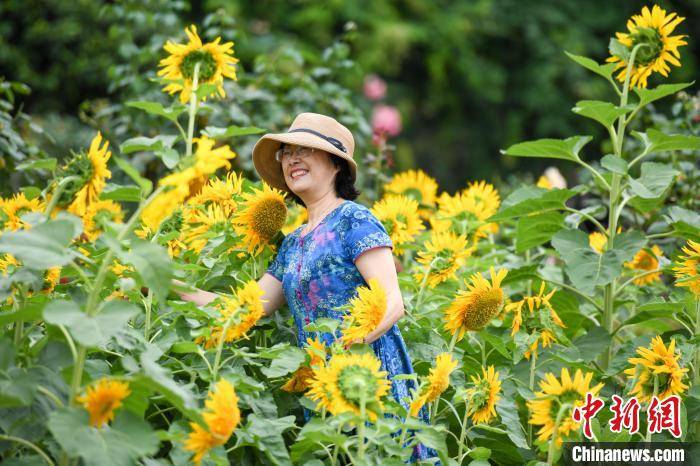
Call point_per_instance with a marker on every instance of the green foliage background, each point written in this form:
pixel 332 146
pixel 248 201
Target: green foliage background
pixel 469 77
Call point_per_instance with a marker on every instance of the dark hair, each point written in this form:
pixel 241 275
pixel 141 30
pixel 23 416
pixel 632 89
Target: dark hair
pixel 344 184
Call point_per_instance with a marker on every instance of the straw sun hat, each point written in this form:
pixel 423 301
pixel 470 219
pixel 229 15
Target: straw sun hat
pixel 309 130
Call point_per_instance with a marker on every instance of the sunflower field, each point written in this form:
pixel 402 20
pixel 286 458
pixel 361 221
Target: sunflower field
pixel 526 303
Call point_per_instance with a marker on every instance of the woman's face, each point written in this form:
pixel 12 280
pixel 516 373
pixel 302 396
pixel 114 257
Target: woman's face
pixel 308 172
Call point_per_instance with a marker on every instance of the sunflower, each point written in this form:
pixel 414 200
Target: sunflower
pixel 92 170
pixel 543 182
pixel 215 60
pixel 483 395
pixel 653 29
pixel 296 216
pixel 98 212
pixel 7 261
pixel 367 310
pixel 262 215
pixel 346 381
pixel 554 394
pixel 399 215
pixel 221 417
pixel 188 182
pixel 222 192
pixel 646 260
pixel 467 211
pixel 417 185
pixel 51 279
pixel 102 398
pixel 444 254
pixel 687 270
pixel 597 241
pixel 238 315
pixel 473 309
pixel 12 209
pixel 658 362
pixel 437 382
pixel 202 223
pixel 302 377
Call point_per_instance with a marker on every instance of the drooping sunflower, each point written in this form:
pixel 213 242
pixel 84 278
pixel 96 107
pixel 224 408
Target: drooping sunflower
pixel 261 216
pixel 91 169
pixel 399 215
pixel 215 60
pixel 300 381
pixel 296 217
pixel 646 260
pixel 221 417
pixel 102 398
pixel 12 209
pixel 473 309
pixel 653 29
pixel 554 394
pixel 483 396
pixel 240 312
pixel 687 269
pixel 187 182
pixel 437 382
pixel 658 362
pixel 444 254
pixel 417 185
pixel 98 212
pixel 366 311
pixel 346 380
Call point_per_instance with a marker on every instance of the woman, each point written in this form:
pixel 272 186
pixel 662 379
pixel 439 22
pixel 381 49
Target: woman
pixel 320 265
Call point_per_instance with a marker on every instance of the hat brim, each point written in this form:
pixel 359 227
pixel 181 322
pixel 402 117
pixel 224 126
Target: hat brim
pixel 270 170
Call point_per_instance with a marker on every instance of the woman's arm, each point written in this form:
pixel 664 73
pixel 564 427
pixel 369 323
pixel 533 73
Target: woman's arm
pixel 379 263
pixel 272 297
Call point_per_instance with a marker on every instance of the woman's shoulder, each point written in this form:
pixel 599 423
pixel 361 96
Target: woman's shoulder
pixel 355 210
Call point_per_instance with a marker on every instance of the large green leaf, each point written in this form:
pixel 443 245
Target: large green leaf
pixel 43 246
pixel 509 416
pixel 48 163
pixel 145 184
pixel 685 223
pixel 266 436
pixel 17 387
pixel 656 141
pixel 605 70
pixel 565 149
pixel 655 179
pixel 285 362
pixel 313 432
pixel 231 131
pixel 159 379
pixel 160 145
pixel 120 193
pixel 154 108
pixel 593 343
pixel 629 243
pixel 604 113
pixel 532 202
pixel 534 230
pixel 121 444
pixel 29 312
pixel 88 330
pixel 153 265
pixel 653 311
pixel 647 96
pixel 614 163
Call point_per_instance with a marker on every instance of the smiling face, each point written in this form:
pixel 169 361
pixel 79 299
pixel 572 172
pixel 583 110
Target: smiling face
pixel 309 176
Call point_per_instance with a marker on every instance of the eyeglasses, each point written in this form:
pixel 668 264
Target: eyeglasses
pixel 287 151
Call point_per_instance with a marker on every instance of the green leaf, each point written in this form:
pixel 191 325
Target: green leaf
pixel 534 230
pixel 154 108
pixel 43 246
pixel 526 272
pixel 92 331
pixel 615 164
pixel 141 143
pixel 618 49
pixel 285 363
pixel 605 70
pixel 593 343
pixel 204 90
pixel 41 164
pixel 152 263
pixel 29 312
pixel 159 379
pixel 604 113
pixel 17 387
pixel 231 131
pixel 322 325
pixel 655 180
pixel 656 141
pixel 647 96
pixel 266 436
pixel 115 192
pixel 652 311
pixel 145 184
pixel 565 149
pixel 122 443
pixel 534 202
pixel 628 244
pixel 313 432
pixel 685 223
pixel 30 192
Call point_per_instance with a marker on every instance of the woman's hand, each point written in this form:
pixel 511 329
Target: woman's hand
pixel 197 296
pixel 379 263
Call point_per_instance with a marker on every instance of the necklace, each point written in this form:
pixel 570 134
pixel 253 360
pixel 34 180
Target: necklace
pixel 323 216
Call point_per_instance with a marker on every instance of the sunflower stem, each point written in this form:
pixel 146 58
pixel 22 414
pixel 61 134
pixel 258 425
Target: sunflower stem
pixel 334 458
pixel 553 441
pixel 531 386
pixel 220 348
pixel 697 348
pixel 28 444
pixel 361 430
pixel 463 433
pixel 193 111
pixel 57 194
pixel 77 375
pixel 647 438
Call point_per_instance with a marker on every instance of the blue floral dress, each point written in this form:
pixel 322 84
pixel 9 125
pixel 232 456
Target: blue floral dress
pixel 318 275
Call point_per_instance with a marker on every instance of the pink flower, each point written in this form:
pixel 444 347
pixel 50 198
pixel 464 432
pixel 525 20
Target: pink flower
pixel 386 120
pixel 374 87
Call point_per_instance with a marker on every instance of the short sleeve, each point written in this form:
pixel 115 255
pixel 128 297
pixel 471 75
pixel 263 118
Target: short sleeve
pixel 279 263
pixel 363 232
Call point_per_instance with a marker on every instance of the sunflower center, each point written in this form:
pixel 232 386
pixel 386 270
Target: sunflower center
pixel 207 65
pixel 357 383
pixel 413 193
pixel 268 217
pixel 485 306
pixel 647 263
pixel 81 166
pixel 653 45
